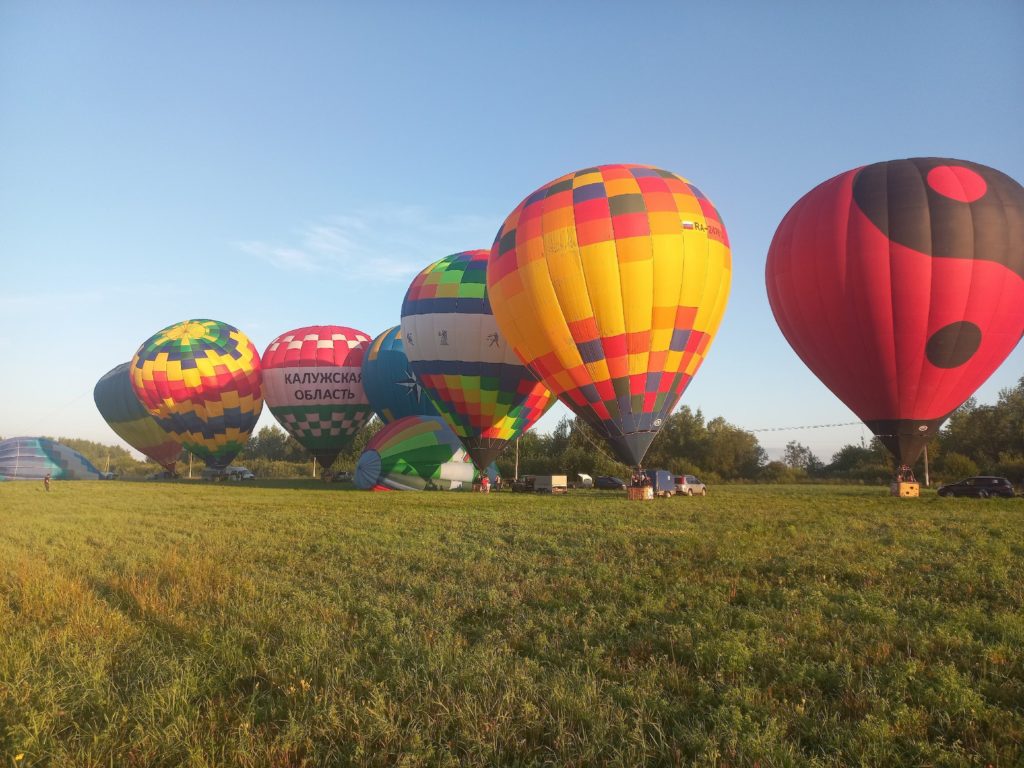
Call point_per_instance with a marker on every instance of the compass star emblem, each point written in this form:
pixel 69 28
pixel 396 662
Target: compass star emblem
pixel 412 388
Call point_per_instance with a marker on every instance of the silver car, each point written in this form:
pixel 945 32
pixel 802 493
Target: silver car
pixel 690 486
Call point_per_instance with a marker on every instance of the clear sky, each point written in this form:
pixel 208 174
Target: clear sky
pixel 278 164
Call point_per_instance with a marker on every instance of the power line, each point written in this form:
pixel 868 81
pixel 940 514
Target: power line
pixel 807 426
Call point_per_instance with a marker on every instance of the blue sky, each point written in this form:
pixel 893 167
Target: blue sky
pixel 275 165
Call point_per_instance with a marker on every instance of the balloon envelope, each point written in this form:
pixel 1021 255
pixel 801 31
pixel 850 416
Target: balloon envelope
pixel 901 286
pixel 414 453
pixel 390 385
pixel 32 458
pixel 126 415
pixel 313 383
pixel 610 283
pixel 200 379
pixel 466 365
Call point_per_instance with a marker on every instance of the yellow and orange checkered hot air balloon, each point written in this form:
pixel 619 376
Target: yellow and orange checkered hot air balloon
pixel 610 284
pixel 201 381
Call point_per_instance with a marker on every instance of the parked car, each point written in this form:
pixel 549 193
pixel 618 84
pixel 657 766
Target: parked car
pixel 690 486
pixel 228 473
pixel 540 484
pixel 161 475
pixel 609 483
pixel 662 482
pixel 108 475
pixel 980 487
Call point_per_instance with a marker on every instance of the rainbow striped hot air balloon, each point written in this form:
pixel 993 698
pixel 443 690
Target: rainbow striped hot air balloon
pixel 465 363
pixel 200 379
pixel 414 453
pixel 610 283
pixel 125 414
pixel 313 381
pixel 390 385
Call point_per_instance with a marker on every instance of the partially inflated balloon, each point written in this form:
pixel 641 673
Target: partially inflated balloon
pixel 610 283
pixel 200 379
pixel 125 414
pixel 390 385
pixel 901 286
pixel 414 453
pixel 313 382
pixel 466 365
pixel 33 458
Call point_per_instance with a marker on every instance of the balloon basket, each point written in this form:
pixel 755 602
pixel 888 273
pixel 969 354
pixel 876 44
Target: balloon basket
pixel 905 490
pixel 646 493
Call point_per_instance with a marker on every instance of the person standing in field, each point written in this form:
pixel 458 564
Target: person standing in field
pixel 46 481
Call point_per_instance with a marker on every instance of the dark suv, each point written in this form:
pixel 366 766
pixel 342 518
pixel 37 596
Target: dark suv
pixel 609 483
pixel 979 487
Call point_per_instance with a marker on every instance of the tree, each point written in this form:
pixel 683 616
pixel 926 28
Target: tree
pixel 798 456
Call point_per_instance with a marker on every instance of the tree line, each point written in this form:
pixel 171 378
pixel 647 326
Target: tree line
pixel 977 439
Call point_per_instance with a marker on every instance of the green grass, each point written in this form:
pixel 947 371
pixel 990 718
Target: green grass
pixel 166 624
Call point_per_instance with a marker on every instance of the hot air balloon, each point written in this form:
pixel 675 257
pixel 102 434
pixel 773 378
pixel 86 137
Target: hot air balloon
pixel 414 453
pixel 313 382
pixel 390 386
pixel 200 379
pixel 33 458
pixel 466 365
pixel 610 283
pixel 901 286
pixel 125 414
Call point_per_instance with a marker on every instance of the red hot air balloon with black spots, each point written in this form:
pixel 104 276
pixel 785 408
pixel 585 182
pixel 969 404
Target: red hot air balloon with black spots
pixel 901 286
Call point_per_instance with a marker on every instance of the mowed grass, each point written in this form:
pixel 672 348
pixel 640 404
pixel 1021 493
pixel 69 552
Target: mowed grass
pixel 166 624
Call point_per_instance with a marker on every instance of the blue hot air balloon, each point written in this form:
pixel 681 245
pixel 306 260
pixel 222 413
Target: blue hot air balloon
pixel 389 383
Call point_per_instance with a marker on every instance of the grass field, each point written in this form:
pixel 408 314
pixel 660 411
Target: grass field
pixel 166 624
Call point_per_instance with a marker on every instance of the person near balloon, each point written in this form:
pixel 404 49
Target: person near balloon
pixel 46 481
pixel 485 484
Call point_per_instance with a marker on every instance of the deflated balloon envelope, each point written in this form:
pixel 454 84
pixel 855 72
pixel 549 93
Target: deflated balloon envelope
pixel 32 458
pixel 313 383
pixel 125 414
pixel 464 362
pixel 414 453
pixel 200 379
pixel 390 385
pixel 610 283
pixel 901 286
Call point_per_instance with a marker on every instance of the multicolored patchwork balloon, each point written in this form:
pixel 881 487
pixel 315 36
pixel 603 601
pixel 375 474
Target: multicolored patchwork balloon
pixel 313 383
pixel 200 379
pixel 125 414
pixel 414 453
pixel 901 286
pixel 464 362
pixel 610 283
pixel 390 385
